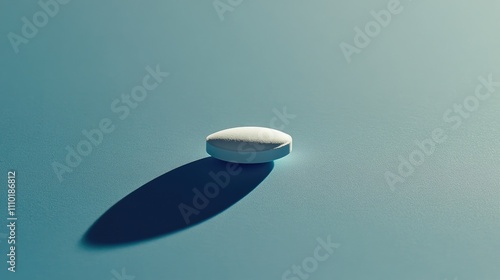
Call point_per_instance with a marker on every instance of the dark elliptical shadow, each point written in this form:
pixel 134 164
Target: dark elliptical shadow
pixel 178 199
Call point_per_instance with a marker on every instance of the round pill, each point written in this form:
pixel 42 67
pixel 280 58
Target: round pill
pixel 249 144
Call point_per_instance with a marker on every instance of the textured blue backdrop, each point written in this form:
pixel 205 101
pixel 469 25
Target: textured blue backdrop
pixel 242 65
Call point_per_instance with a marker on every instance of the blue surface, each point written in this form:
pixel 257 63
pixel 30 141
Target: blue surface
pixel 351 123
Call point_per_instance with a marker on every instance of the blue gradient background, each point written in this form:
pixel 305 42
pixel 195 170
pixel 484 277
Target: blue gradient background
pixel 353 120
